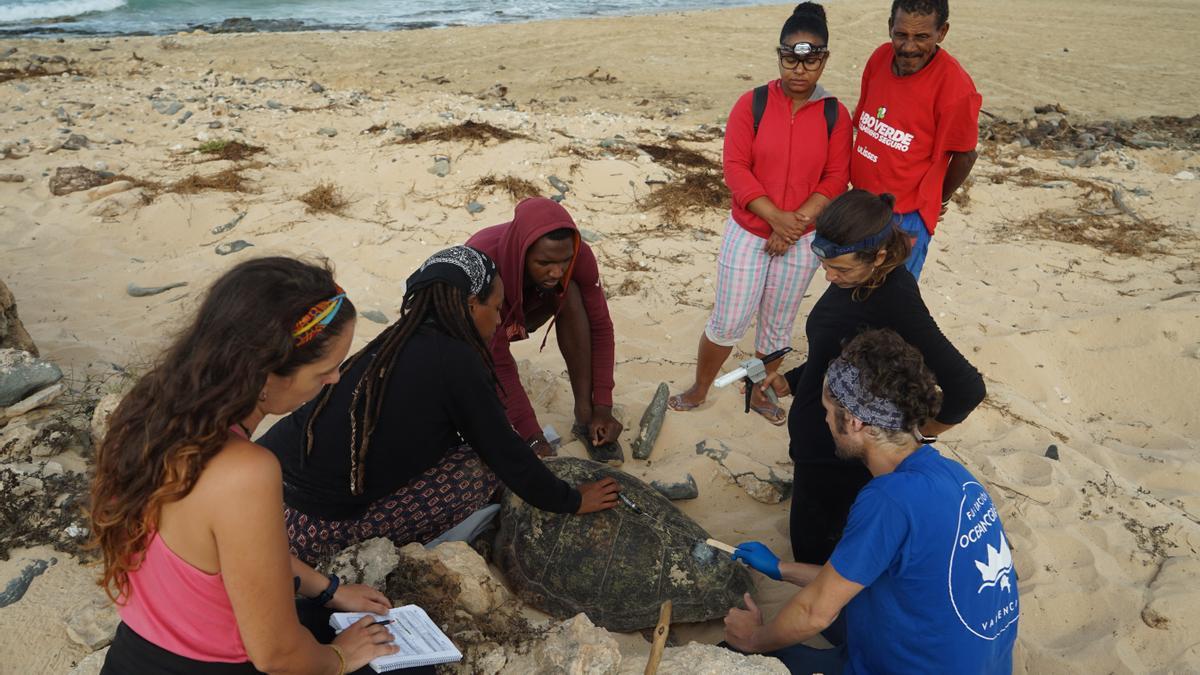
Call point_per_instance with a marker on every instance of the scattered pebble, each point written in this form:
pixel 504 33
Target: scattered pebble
pixel 590 236
pixel 75 142
pixel 685 489
pixel 474 207
pixel 225 227
pixel 441 166
pixel 316 88
pixel 375 315
pixel 1052 452
pixel 558 184
pixel 232 246
pixel 145 291
pixel 11 178
pixel 1185 175
pixel 187 115
pixel 327 131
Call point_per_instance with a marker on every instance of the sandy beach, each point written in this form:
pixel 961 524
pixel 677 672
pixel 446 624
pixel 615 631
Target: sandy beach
pixel 1067 273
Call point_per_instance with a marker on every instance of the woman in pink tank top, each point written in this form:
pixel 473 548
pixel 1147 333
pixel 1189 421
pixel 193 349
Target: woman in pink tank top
pixel 188 513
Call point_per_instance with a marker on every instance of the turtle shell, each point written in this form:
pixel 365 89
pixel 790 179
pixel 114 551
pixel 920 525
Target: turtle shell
pixel 617 566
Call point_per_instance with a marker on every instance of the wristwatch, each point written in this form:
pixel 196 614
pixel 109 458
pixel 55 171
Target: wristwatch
pixel 326 595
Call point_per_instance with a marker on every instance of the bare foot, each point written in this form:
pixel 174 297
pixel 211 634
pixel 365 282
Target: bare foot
pixel 688 400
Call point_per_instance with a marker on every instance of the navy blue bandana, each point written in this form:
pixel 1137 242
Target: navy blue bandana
pixel 846 387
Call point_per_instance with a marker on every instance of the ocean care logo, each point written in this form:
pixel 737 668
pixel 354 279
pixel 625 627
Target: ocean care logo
pixel 884 133
pixel 981 567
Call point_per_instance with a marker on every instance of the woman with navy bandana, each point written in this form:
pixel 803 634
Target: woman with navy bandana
pixel 863 253
pixel 414 439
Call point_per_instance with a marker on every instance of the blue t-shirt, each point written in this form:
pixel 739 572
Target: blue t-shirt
pixel 940 592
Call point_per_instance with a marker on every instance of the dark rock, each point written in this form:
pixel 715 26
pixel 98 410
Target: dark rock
pixel 651 424
pixel 375 315
pixel 316 88
pixel 558 184
pixel 61 115
pixel 68 179
pixel 187 115
pixel 274 105
pixel 220 229
pixel 12 332
pixel 590 236
pixel 22 374
pixel 168 107
pixel 558 198
pixel 474 207
pixel 232 246
pixel 1052 452
pixel 75 142
pixel 144 291
pixel 15 589
pixel 675 491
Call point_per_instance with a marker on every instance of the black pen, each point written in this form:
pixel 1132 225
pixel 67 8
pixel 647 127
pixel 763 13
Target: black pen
pixel 382 623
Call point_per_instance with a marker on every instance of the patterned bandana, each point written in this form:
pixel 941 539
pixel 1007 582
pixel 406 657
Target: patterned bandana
pixel 317 318
pixel 846 386
pixel 463 267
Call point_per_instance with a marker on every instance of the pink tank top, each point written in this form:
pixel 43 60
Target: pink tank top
pixel 182 609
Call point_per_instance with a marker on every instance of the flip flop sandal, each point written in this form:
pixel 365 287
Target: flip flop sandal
pixel 675 402
pixel 771 412
pixel 610 453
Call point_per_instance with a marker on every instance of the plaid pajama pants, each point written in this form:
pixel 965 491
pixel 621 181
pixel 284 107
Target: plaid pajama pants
pixel 750 281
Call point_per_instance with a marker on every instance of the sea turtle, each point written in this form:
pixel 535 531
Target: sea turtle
pixel 617 566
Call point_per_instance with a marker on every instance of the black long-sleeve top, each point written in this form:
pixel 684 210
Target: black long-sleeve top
pixel 837 318
pixel 440 394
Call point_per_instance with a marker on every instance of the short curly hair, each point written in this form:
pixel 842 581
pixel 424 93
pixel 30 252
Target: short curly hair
pixel 893 370
pixel 939 8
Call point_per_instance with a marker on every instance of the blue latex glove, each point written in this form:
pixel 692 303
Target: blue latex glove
pixel 758 556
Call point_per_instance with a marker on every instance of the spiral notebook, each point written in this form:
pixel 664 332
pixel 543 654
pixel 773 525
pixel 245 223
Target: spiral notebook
pixel 421 642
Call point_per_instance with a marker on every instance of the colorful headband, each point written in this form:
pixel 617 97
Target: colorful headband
pixel 846 386
pixel 317 318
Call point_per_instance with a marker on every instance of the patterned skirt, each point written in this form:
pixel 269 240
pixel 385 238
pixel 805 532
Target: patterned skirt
pixel 427 506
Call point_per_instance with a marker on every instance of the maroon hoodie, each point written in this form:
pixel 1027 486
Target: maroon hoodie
pixel 507 244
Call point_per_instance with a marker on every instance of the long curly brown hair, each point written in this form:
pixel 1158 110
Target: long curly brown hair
pixel 857 215
pixel 178 415
pixel 893 370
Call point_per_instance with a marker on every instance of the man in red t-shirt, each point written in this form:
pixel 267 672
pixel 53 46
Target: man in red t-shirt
pixel 917 121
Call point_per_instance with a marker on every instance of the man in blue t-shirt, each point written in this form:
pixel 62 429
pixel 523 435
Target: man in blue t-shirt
pixel 923 570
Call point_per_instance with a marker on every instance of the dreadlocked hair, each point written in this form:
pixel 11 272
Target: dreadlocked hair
pixel 440 303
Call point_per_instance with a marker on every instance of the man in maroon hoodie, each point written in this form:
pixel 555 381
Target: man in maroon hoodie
pixel 550 274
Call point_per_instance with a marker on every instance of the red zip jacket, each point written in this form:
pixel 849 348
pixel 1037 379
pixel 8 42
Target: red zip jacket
pixel 792 156
pixel 507 244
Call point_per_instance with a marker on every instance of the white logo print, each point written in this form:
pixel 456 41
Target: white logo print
pixel 997 567
pixel 983 590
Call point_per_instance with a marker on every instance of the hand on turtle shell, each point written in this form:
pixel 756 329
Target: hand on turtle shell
pixel 758 556
pixel 598 496
pixel 741 625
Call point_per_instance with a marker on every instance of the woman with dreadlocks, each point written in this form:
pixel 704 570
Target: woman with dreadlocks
pixel 414 438
pixel 187 512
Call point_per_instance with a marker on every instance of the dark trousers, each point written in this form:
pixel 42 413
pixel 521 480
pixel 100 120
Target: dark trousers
pixel 805 660
pixel 131 654
pixel 822 494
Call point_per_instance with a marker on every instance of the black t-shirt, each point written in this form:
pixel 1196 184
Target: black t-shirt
pixel 440 395
pixel 836 318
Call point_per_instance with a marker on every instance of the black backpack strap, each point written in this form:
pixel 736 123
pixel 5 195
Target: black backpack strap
pixel 759 105
pixel 831 115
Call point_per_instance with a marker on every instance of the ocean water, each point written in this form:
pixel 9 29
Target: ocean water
pixel 124 17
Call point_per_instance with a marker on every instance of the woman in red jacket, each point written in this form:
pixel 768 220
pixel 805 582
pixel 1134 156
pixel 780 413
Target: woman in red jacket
pixel 782 170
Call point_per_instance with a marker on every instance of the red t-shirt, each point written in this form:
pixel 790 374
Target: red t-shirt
pixel 909 126
pixel 792 156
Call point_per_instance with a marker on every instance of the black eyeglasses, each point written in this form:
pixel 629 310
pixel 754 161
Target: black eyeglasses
pixel 802 54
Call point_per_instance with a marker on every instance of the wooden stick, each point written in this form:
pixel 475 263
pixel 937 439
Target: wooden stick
pixel 720 545
pixel 660 638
